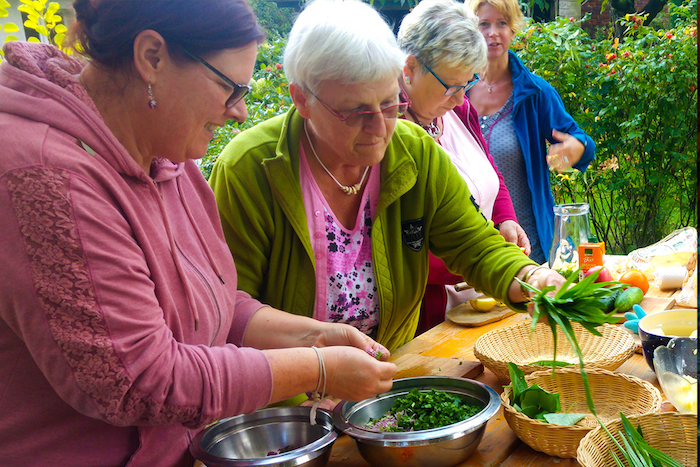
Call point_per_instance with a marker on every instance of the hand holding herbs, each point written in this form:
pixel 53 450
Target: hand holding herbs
pixel 585 302
pixel 423 411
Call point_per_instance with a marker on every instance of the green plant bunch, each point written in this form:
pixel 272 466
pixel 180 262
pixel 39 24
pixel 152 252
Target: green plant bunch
pixel 637 99
pixel 41 18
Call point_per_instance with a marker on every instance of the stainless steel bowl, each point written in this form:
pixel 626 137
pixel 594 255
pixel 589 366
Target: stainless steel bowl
pixel 246 440
pixel 439 447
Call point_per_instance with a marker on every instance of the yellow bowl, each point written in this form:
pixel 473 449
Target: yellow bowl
pixel 659 328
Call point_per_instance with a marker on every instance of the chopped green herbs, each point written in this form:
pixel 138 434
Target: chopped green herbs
pixel 637 452
pixel 536 402
pixel 584 303
pixel 423 411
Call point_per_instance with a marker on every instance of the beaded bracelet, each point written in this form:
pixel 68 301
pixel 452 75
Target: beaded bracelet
pixel 525 278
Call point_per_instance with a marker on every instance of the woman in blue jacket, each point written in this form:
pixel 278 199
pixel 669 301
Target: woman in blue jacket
pixel 519 112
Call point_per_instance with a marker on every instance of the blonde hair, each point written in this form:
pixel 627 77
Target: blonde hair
pixel 508 8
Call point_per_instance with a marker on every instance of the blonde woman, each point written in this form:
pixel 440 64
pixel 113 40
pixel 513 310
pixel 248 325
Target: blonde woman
pixel 519 114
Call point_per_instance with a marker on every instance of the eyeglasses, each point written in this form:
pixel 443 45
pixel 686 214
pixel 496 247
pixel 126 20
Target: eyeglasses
pixel 452 90
pixel 239 90
pixel 363 118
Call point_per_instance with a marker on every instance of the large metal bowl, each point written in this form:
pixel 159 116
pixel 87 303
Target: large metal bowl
pixel 439 447
pixel 246 440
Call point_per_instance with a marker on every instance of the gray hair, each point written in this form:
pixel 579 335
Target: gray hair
pixel 344 40
pixel 443 32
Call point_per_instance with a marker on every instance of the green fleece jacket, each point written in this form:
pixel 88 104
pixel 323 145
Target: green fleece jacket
pixel 423 205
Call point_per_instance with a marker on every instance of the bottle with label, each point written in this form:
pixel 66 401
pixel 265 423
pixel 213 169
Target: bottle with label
pixel 590 254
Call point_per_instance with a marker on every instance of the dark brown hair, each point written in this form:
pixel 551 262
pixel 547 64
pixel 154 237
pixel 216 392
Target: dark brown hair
pixel 105 29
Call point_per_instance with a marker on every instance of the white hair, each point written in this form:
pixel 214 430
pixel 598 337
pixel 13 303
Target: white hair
pixel 443 32
pixel 344 40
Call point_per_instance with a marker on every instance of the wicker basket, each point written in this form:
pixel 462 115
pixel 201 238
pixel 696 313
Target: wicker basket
pixel 671 432
pixel 612 393
pixel 519 345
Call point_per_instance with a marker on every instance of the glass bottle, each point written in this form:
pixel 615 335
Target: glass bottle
pixel 571 228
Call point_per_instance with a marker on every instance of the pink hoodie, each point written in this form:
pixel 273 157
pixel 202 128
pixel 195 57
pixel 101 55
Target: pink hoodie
pixel 119 314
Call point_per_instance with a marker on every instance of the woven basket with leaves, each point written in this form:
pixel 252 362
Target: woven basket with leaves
pixel 521 346
pixel 672 433
pixel 612 393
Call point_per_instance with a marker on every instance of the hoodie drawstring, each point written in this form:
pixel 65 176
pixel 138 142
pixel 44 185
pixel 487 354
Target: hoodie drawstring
pixel 200 235
pixel 174 249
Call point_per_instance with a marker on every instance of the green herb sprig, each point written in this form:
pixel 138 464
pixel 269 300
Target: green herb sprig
pixel 637 451
pixel 583 303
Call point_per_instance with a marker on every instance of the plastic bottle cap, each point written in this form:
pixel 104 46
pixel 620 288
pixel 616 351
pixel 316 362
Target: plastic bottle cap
pixel 593 239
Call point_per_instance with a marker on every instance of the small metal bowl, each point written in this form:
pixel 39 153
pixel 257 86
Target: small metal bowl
pixel 246 440
pixel 439 447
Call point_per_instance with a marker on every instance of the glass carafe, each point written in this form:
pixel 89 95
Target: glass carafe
pixel 571 228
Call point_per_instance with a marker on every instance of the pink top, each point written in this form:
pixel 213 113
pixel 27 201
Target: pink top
pixel 471 162
pixel 120 322
pixel 346 290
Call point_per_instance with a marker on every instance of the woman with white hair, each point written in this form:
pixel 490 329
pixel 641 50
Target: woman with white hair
pixel 330 210
pixel 444 50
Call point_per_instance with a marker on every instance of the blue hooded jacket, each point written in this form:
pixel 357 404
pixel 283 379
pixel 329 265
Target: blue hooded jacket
pixel 537 109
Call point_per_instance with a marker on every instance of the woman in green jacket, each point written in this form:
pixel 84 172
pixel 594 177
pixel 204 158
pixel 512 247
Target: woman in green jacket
pixel 331 209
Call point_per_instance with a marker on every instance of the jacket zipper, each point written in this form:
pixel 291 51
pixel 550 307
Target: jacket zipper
pixel 210 290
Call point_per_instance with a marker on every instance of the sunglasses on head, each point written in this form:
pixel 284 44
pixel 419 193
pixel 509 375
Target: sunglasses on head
pixel 239 90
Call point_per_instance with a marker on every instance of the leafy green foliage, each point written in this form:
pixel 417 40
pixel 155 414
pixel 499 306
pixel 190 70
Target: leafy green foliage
pixel 582 302
pixel 536 402
pixel 637 99
pixel 424 411
pixel 636 451
pixel 555 363
pixel 275 21
pixel 269 97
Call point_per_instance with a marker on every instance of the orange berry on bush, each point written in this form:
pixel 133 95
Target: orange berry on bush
pixel 635 279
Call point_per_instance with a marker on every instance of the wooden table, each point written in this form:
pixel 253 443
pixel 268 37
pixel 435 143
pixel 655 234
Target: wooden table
pixel 447 350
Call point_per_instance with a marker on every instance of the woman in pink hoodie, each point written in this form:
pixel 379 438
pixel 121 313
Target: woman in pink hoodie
pixel 121 328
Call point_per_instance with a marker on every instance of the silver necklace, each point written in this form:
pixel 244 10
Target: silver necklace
pixel 348 190
pixel 489 86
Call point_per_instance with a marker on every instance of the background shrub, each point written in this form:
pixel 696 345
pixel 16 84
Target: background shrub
pixel 637 98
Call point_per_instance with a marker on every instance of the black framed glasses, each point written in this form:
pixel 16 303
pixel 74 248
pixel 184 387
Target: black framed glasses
pixel 239 90
pixel 362 118
pixel 452 90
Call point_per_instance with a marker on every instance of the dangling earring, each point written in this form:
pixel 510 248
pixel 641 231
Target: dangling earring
pixel 151 101
pixel 407 79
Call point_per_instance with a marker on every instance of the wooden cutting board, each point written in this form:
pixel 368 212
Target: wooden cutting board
pixel 465 315
pixel 419 365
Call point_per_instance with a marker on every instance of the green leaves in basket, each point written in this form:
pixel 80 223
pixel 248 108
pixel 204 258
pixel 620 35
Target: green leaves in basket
pixel 536 402
pixel 583 303
pixel 564 418
pixel 553 363
pixel 637 452
pixel 532 401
